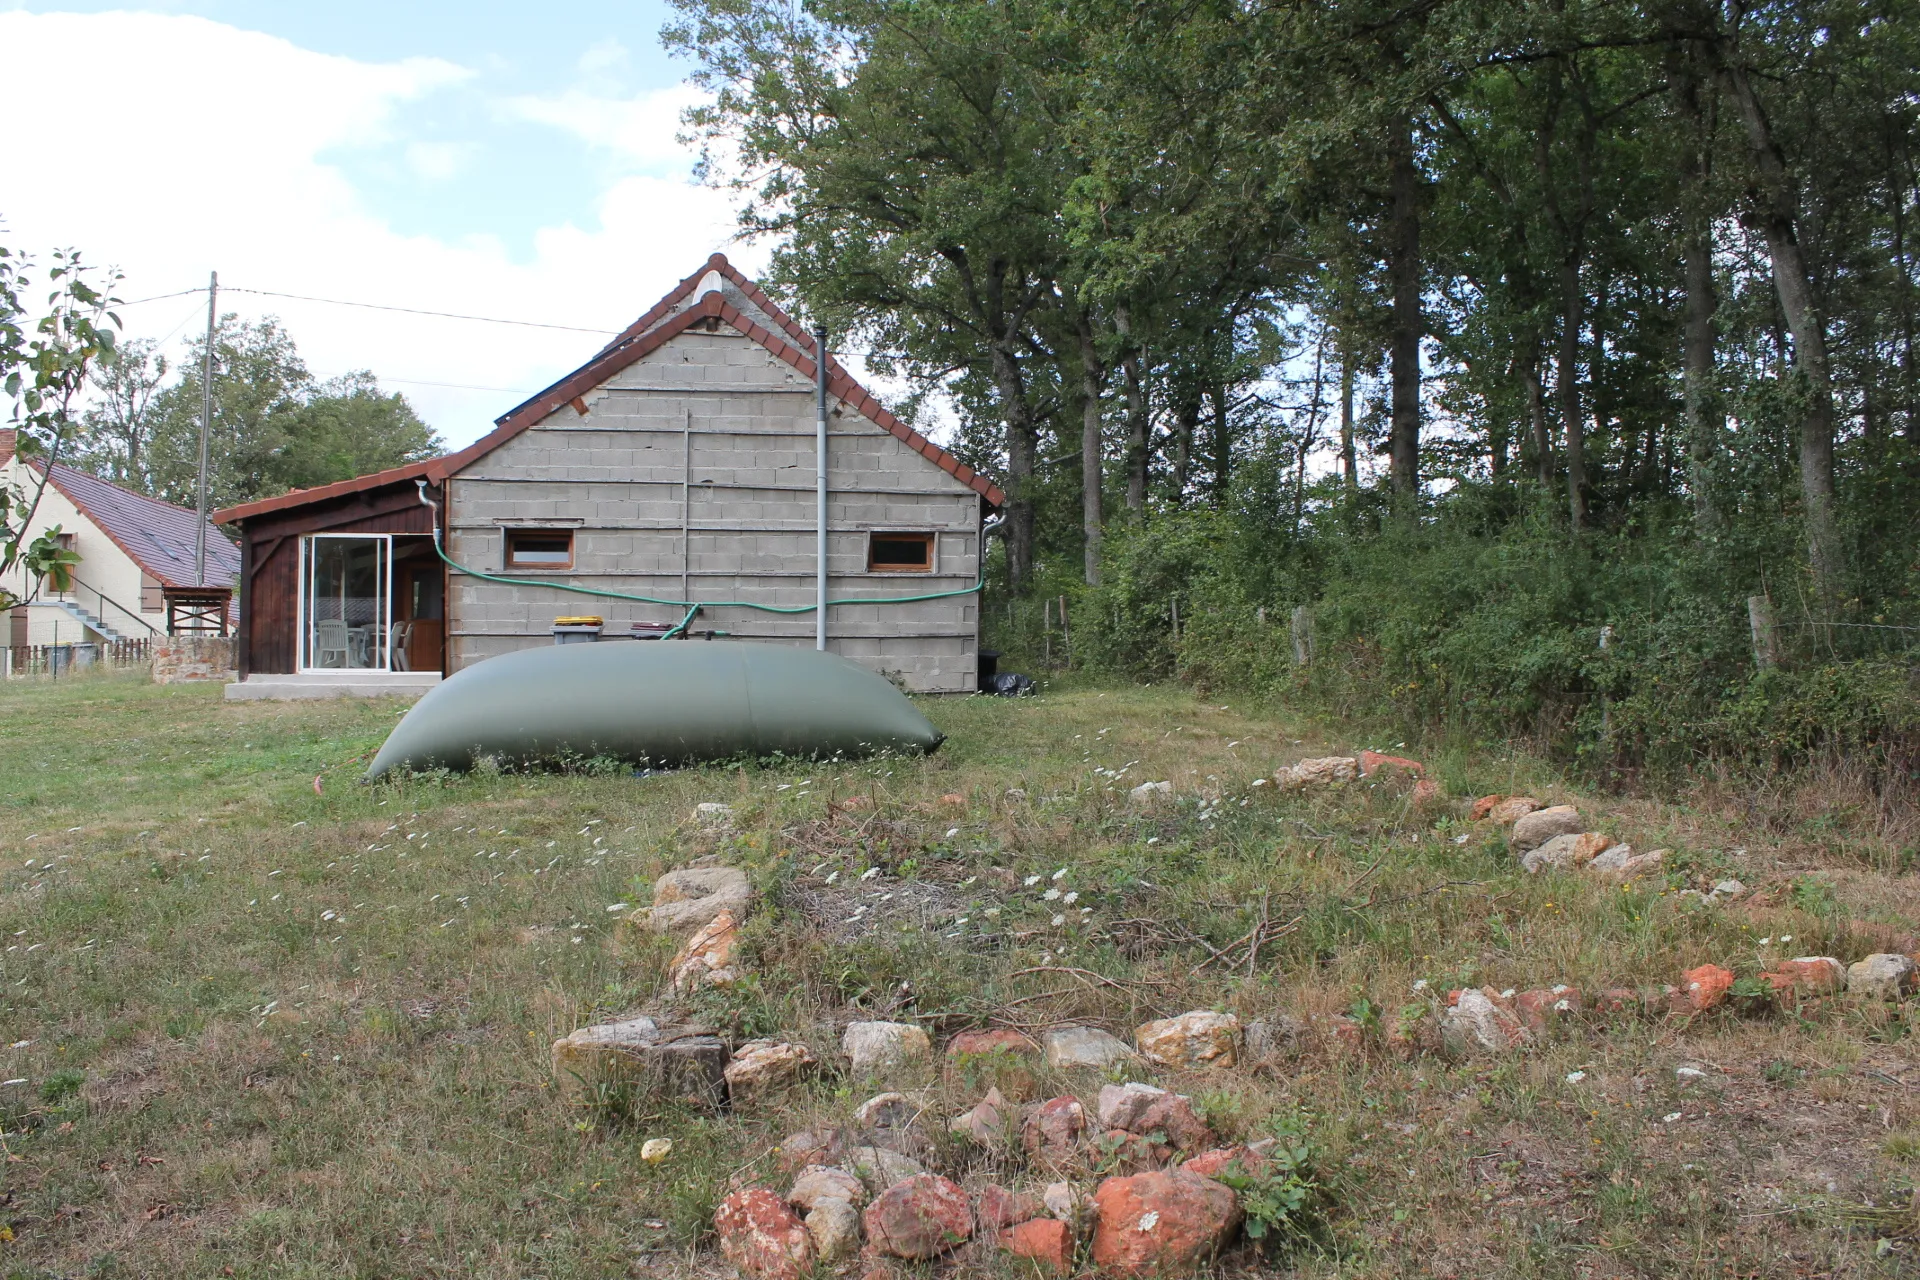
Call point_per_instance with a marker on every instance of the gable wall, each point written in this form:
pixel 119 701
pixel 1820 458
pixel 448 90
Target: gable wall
pixel 103 567
pixel 722 411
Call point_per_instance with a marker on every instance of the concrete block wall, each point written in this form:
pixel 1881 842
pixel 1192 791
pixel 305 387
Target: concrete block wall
pixel 691 476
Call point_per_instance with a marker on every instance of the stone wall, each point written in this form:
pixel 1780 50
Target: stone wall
pixel 179 659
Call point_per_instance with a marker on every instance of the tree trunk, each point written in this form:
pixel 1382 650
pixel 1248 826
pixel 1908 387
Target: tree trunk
pixel 1566 388
pixel 1536 407
pixel 1138 427
pixel 1222 447
pixel 1697 338
pixel 1779 216
pixel 1403 270
pixel 1022 454
pixel 1092 455
pixel 1311 435
pixel 1349 459
pixel 1702 396
pixel 1186 420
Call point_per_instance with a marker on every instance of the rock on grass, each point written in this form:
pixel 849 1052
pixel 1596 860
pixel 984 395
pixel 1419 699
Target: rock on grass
pixel 877 1047
pixel 1161 1223
pixel 640 1056
pixel 763 1237
pixel 1542 825
pixel 1198 1039
pixel 1084 1047
pixel 923 1217
pixel 1882 977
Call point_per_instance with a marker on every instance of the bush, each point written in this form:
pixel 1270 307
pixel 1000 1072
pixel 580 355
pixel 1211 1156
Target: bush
pixel 1486 621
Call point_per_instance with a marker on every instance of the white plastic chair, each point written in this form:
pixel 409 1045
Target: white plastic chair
pixel 330 643
pixel 402 637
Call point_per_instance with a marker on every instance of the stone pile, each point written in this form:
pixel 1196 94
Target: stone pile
pixel 1162 1212
pixel 1556 838
pixel 1498 1021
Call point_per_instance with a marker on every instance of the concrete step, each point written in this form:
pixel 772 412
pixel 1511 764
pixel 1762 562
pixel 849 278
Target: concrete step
pixel 332 684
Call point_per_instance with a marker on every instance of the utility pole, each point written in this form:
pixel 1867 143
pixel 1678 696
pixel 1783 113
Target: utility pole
pixel 206 424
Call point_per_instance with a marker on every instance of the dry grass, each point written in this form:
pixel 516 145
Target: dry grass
pixel 224 1078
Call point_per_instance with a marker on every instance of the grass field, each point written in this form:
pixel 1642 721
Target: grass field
pixel 267 1021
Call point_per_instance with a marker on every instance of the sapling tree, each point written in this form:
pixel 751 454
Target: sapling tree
pixel 45 361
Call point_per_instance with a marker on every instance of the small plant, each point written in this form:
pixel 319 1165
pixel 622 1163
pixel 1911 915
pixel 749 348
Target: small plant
pixel 1284 1202
pixel 1752 995
pixel 1814 896
pixel 61 1085
pixel 1780 1071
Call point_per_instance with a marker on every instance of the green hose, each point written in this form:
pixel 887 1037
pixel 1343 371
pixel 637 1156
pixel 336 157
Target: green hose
pixel 693 607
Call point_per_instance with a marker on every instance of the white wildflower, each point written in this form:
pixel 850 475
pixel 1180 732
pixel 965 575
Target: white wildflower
pixel 870 873
pixel 1031 881
pixel 1575 1077
pixel 1072 898
pixel 1061 874
pixel 1051 895
pixel 1058 921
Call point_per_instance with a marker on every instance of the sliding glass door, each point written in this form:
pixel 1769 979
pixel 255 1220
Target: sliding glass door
pixel 344 602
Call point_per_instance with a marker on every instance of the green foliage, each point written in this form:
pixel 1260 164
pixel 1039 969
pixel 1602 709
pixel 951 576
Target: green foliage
pixel 275 427
pixel 58 1087
pixel 1285 1204
pixel 45 364
pixel 50 563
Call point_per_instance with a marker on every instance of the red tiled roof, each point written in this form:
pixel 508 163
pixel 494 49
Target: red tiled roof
pixel 647 334
pixel 157 535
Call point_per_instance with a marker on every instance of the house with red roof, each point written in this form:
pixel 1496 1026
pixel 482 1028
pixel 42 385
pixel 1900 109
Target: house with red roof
pixel 132 548
pixel 672 484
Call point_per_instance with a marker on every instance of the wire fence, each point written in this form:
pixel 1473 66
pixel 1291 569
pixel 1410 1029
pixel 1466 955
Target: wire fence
pixel 54 661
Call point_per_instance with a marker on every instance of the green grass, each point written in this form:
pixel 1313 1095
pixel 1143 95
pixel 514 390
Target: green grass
pixel 279 1033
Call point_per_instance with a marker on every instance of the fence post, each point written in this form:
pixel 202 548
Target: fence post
pixel 1066 636
pixel 1766 641
pixel 1302 636
pixel 1046 629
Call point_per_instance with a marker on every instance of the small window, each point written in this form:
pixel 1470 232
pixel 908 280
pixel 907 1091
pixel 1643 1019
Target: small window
pixel 539 548
pixel 900 553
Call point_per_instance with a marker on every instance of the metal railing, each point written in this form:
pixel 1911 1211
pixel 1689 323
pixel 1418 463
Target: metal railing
pixel 102 603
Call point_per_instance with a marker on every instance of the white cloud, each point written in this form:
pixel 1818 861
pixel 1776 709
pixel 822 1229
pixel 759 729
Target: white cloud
pixel 640 128
pixel 438 161
pixel 204 146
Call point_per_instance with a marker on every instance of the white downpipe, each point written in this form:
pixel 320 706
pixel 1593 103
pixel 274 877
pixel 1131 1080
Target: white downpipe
pixel 820 487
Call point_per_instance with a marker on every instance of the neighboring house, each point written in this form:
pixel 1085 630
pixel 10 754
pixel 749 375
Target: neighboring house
pixel 130 547
pixel 679 463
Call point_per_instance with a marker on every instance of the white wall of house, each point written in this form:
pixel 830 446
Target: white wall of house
pixel 103 567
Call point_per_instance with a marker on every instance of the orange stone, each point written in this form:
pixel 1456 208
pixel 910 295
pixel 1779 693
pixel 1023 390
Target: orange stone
pixel 1703 988
pixel 1047 1241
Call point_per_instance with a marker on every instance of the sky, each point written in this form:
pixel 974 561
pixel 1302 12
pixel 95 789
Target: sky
pixel 508 160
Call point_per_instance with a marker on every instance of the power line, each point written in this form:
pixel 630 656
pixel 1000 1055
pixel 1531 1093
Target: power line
pixel 376 306
pixel 159 296
pixel 417 311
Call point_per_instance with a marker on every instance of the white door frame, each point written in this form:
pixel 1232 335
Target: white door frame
pixel 383 611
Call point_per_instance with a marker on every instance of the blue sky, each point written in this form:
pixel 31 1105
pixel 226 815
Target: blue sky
pixel 499 159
